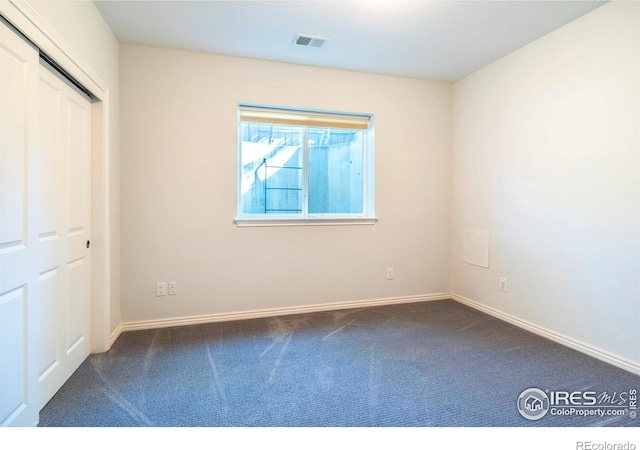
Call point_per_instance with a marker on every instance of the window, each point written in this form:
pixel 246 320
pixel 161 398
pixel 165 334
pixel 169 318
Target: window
pixel 304 166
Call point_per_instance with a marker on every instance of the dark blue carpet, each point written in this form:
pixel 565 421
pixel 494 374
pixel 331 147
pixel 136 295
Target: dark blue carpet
pixel 433 364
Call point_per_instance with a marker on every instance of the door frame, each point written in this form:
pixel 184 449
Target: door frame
pixel 22 16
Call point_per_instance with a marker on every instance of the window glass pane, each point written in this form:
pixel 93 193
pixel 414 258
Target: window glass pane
pixel 335 171
pixel 272 175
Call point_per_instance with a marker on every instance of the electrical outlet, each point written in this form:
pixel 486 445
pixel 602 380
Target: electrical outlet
pixel 503 284
pixel 390 273
pixel 161 289
pixel 173 287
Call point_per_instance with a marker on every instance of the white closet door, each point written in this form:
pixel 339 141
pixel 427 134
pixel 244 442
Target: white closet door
pixel 18 232
pixel 64 149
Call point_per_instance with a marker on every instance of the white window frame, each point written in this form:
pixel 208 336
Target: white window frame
pixel 367 217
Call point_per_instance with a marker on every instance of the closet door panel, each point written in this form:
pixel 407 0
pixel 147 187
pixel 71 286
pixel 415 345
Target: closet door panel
pixel 18 231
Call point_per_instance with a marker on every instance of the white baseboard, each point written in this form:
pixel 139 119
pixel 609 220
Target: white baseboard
pixel 115 335
pixel 226 317
pixel 587 349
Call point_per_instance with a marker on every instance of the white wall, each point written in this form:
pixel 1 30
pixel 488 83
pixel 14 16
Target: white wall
pixel 546 156
pixel 179 156
pixel 81 26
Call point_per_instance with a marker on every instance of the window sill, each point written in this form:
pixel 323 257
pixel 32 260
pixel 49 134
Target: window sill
pixel 299 222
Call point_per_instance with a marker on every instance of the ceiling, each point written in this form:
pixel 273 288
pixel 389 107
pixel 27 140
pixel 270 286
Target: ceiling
pixel 438 40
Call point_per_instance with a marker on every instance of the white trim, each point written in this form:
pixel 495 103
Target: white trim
pixel 243 315
pixel 587 349
pixel 300 222
pixel 25 18
pixel 115 335
pixel 29 22
pixel 101 228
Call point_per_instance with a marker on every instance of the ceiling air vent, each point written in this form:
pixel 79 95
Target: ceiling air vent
pixel 310 41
